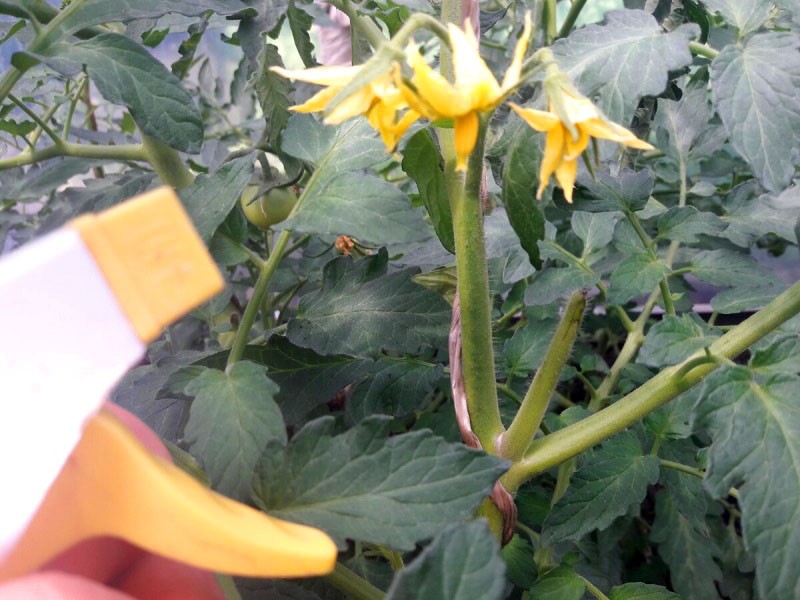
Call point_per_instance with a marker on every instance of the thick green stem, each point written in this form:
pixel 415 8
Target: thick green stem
pixel 574 439
pixel 44 13
pixel 550 14
pixel 167 162
pixel 572 16
pixel 122 152
pixel 353 585
pixel 9 80
pixel 477 357
pixel 249 317
pixel 489 511
pixel 703 50
pixel 515 442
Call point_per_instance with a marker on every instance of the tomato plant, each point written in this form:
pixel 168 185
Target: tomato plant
pixel 563 362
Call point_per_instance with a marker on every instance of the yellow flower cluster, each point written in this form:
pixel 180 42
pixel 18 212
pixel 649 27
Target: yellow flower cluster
pixel 393 101
pixel 563 147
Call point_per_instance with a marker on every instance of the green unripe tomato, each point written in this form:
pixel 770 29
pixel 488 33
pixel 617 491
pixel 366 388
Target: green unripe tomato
pixel 271 208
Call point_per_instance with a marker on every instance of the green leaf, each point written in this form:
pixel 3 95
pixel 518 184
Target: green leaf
pixel 361 311
pixel 232 419
pixel 606 59
pixel 750 215
pixel 273 92
pixel 755 428
pixel 745 15
pixel 307 379
pixel 781 356
pixel 142 389
pixel 209 198
pixel 561 583
pixel 637 275
pixel 729 268
pixel 366 486
pixel 462 562
pixel 739 299
pixel 20 129
pixel 555 283
pixel 518 556
pixel 362 206
pixel 614 477
pixel 253 27
pixel 595 229
pixel 9 30
pixel 188 48
pixel 45 178
pixel 332 151
pixel 684 121
pixel 673 339
pixel 687 548
pixel 520 180
pixel 423 163
pixel 754 89
pixel 127 74
pixel 96 12
pixel 526 349
pixel 300 23
pixel 641 591
pixel 687 224
pixel 97 195
pixel 396 388
pixel 626 191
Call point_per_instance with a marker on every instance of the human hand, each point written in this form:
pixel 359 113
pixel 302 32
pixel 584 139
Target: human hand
pixel 112 569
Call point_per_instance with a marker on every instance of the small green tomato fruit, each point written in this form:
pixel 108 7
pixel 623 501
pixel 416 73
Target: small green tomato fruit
pixel 271 208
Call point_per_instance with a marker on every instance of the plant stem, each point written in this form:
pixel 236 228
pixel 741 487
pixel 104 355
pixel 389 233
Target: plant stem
pixel 682 468
pixel 593 589
pixel 703 50
pixel 631 346
pixel 663 285
pixel 82 82
pixel 365 25
pixel 359 588
pixel 477 356
pixel 121 152
pixel 572 16
pixel 44 13
pixel 519 436
pixel 565 443
pixel 9 80
pixel 44 126
pixel 504 389
pixel 550 20
pixel 248 318
pixel 167 162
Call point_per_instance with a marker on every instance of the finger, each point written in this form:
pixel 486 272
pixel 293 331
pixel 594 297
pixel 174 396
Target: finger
pixel 158 577
pixel 57 586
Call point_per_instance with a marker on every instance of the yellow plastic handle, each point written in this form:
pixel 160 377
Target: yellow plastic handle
pixel 111 485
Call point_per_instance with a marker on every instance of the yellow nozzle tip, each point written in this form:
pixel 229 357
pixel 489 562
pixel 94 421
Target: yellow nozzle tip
pixel 152 258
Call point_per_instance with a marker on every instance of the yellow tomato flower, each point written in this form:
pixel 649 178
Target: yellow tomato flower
pixel 569 128
pixel 474 90
pixel 379 101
